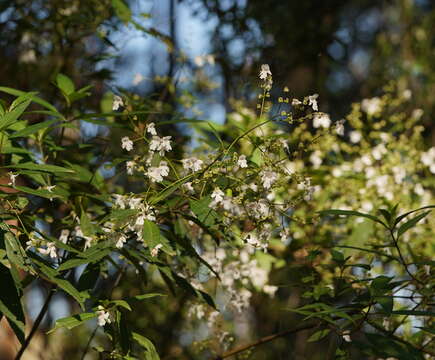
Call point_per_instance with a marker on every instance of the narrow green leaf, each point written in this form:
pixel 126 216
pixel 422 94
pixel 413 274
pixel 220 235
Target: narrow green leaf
pixel 10 303
pixel 151 352
pixel 351 213
pixel 411 223
pixel 65 84
pixel 318 335
pixel 122 10
pixel 32 129
pixel 35 98
pixel 41 167
pixel 11 116
pixel 73 321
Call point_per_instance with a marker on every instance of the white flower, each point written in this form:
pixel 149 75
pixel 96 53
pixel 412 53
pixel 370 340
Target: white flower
pixel 296 102
pixel 355 136
pixel 346 336
pixel 371 106
pixel 138 78
pixel 188 186
pixel 126 143
pixel 12 177
pixel 117 102
pixel 217 195
pixel 265 72
pixel 312 101
pixel 151 129
pixel 339 129
pixel 28 56
pixel 192 163
pixel 64 236
pixel 50 188
pixel 378 151
pixel 161 144
pixel 268 178
pixel 121 241
pixel 50 250
pixel 156 174
pixel 242 161
pixel 130 167
pixel 103 316
pixel 270 290
pixel 316 159
pixel 155 250
pixel 321 120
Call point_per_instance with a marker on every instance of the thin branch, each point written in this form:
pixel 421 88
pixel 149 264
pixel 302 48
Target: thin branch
pixel 266 339
pixel 36 324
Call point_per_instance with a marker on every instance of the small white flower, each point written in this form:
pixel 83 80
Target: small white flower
pixel 64 236
pixel 161 144
pixel 188 186
pixel 339 127
pixel 155 250
pixel 312 101
pixel 265 72
pixel 50 188
pixel 316 158
pixel 346 336
pixel 121 241
pixel 156 174
pixel 117 102
pixel 217 195
pixel 355 136
pixel 50 250
pixel 321 120
pixel 296 102
pixel 12 177
pixel 138 78
pixel 270 290
pixel 151 129
pixel 126 143
pixel 268 178
pixel 371 106
pixel 242 161
pixel 192 163
pixel 103 316
pixel 130 167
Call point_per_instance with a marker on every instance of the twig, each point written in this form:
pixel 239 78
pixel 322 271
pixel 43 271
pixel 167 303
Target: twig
pixel 89 343
pixel 36 324
pixel 266 339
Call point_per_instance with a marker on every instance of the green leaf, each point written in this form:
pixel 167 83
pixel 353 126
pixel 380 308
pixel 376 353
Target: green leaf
pixel 65 84
pixel 318 335
pixel 10 303
pixel 11 116
pixel 121 303
pixel 352 213
pixel 151 353
pixel 169 190
pixel 41 167
pixel 66 286
pixel 32 129
pixel 150 233
pixel 35 98
pixel 73 321
pixel 122 10
pixel 402 216
pixel 146 296
pixel 203 212
pixel 387 303
pixel 411 223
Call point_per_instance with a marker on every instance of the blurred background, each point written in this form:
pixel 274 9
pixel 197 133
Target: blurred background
pixel 201 57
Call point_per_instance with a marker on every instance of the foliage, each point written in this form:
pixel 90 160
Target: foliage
pixel 159 220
